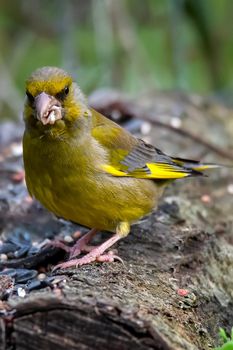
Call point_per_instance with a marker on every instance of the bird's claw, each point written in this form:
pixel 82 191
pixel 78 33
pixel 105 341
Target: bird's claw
pixel 87 259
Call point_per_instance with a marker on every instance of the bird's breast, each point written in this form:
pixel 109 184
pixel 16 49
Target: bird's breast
pixel 68 180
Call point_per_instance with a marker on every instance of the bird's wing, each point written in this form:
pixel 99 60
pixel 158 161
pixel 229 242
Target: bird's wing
pixel 132 157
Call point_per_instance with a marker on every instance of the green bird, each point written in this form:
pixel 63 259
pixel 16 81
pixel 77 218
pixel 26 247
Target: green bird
pixel 85 168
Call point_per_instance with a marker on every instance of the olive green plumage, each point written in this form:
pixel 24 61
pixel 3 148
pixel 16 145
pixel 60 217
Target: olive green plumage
pixel 84 167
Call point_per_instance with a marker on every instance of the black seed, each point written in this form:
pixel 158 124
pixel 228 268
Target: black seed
pixel 24 275
pixel 9 272
pixel 33 285
pixel 21 252
pixel 6 248
pixel 20 239
pixel 33 250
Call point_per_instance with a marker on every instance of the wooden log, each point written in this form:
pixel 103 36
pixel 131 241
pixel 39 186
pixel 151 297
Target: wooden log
pixel 173 291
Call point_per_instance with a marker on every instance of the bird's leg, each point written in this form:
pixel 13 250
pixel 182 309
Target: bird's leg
pixel 94 255
pixel 55 243
pixel 79 246
pixel 97 253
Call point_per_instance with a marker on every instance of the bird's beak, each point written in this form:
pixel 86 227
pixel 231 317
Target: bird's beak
pixel 48 108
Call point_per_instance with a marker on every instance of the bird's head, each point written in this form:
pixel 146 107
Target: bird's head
pixel 53 100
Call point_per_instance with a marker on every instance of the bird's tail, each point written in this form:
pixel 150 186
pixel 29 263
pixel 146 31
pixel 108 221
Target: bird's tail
pixel 195 165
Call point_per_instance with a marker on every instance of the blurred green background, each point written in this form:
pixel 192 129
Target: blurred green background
pixel 132 45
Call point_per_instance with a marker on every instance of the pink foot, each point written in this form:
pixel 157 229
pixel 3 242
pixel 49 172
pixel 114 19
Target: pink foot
pixel 78 247
pixel 58 244
pixel 87 259
pixel 95 254
pixel 81 244
pixel 109 257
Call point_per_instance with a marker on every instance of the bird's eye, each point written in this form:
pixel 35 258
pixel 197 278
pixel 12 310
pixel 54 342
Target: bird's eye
pixel 62 94
pixel 30 97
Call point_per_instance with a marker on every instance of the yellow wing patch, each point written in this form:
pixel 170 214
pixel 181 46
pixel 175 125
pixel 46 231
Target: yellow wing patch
pixel 151 171
pixel 113 171
pixel 164 171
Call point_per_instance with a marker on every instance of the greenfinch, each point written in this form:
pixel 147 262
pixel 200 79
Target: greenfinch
pixel 85 168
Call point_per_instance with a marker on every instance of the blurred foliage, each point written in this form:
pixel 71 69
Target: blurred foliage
pixel 227 341
pixel 132 45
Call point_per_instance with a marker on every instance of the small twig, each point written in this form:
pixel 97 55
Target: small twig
pixel 126 108
pixel 186 133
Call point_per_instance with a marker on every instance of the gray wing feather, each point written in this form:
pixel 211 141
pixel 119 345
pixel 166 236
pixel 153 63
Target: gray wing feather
pixel 145 153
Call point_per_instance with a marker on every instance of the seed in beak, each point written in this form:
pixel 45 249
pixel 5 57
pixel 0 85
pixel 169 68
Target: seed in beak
pixel 48 108
pixel 52 117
